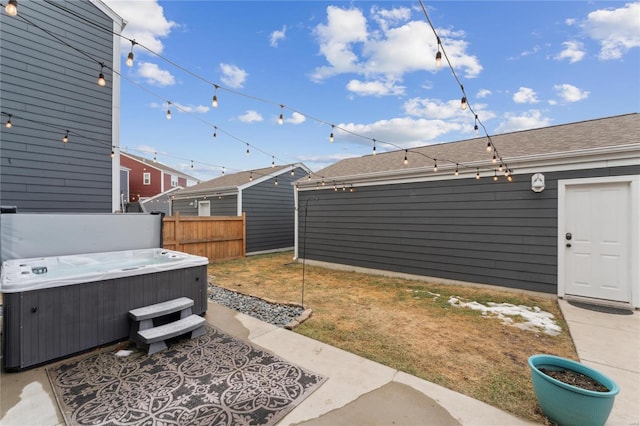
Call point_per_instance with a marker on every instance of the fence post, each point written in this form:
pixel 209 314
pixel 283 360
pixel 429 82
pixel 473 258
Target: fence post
pixel 244 234
pixel 178 231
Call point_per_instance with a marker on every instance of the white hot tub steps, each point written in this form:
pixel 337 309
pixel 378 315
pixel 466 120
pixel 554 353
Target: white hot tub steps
pixel 153 338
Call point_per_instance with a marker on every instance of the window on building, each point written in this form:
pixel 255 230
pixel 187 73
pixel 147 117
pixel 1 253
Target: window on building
pixel 174 181
pixel 146 178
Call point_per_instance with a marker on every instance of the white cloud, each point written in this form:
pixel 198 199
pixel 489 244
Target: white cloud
pixel 277 35
pixel 434 108
pixel 232 75
pixel 531 119
pixel 296 118
pixel 573 51
pixel 154 75
pixel 146 23
pixel 525 95
pixel 403 131
pixel 570 93
pixel 393 47
pixel 192 108
pixel 483 93
pixel 375 88
pixel 617 30
pixel 250 116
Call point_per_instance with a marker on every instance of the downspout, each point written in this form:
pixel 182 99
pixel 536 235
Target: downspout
pixel 295 224
pixel 115 118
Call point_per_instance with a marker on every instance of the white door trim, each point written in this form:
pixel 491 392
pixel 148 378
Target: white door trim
pixel 634 237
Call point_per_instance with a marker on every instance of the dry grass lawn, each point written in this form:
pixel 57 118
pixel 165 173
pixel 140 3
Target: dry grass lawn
pixel 409 325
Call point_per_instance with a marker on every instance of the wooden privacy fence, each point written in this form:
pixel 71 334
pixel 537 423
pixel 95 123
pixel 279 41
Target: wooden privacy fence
pixel 215 237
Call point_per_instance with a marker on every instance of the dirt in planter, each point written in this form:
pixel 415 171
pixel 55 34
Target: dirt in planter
pixel 576 379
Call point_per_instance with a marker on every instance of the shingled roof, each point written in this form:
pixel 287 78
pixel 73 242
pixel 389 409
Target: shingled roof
pixel 555 141
pixel 232 181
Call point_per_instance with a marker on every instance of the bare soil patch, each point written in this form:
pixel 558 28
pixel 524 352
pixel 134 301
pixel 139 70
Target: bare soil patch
pixel 576 379
pixel 410 325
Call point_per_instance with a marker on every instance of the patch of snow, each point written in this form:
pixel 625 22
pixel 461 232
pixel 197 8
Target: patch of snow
pixel 123 352
pixel 535 319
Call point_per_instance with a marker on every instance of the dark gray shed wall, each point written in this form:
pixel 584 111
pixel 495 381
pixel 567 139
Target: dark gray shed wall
pixel 225 205
pixel 49 87
pixel 270 213
pixel 480 231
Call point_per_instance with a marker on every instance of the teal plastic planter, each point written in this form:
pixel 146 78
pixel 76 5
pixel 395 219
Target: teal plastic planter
pixel 565 404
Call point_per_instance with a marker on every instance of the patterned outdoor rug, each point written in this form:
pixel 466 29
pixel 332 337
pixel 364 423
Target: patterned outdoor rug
pixel 215 379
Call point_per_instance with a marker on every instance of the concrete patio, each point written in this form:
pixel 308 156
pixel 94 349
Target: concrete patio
pixel 360 391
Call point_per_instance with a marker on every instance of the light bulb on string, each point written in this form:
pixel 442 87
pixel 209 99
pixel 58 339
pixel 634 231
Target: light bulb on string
pixel 292 172
pixel 435 165
pixel 374 147
pixel 12 8
pixel 500 167
pixel 251 176
pixel 323 183
pixel 456 173
pixel 406 160
pixel 248 149
pixel 113 153
pixel 494 160
pixel 463 103
pixel 101 81
pixel 129 61
pixel 191 164
pixel 8 124
pixel 281 117
pixel 477 174
pixel 215 131
pixel 214 100
pixel 223 169
pixel 438 56
pixel 168 110
pixel 475 126
pixel 331 135
pixel 273 161
pixel 495 176
pixel 155 157
pixel 489 146
pixel 276 182
pixel 309 178
pixel 65 138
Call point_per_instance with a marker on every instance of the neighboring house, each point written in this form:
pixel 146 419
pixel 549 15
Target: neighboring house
pixel 266 196
pixel 148 178
pixel 50 56
pixel 575 232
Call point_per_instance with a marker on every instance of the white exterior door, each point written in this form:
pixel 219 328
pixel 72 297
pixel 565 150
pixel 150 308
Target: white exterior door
pixel 597 240
pixel 204 208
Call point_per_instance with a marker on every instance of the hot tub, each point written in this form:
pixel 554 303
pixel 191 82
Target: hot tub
pixel 58 306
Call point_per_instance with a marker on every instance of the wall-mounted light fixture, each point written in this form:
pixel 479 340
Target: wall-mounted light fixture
pixel 537 182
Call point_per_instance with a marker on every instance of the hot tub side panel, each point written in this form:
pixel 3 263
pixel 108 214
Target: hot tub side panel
pixel 51 323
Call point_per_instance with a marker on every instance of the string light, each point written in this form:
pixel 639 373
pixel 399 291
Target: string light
pixel 168 110
pixel 251 176
pixel 331 135
pixel 8 124
pixel 12 8
pixel 435 165
pixel 191 164
pixel 475 126
pixel 292 172
pixel 489 147
pixel 456 173
pixel 374 147
pixel 309 176
pixel 281 117
pixel 247 149
pixel 214 100
pixel 273 162
pixel 113 154
pixel 65 138
pixel 463 103
pixel 494 160
pixel 406 160
pixel 438 55
pixel 323 182
pixel 129 61
pixel 215 131
pixel 155 157
pixel 477 173
pixel 500 167
pixel 101 81
pixel 495 176
pixel 276 182
pixel 223 170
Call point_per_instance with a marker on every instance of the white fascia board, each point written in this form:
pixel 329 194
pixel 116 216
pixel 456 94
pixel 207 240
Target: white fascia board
pixel 167 192
pixel 212 192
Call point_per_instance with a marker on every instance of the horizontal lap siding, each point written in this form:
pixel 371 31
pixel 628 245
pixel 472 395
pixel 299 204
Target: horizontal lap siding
pixel 50 87
pixel 225 205
pixel 470 230
pixel 270 213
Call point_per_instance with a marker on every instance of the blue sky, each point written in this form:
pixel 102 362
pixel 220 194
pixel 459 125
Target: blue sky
pixel 367 68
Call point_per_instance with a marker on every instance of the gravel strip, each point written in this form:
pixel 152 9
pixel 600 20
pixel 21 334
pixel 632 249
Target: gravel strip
pixel 272 313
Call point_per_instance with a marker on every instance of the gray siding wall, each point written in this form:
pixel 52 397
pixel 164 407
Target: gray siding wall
pixel 226 205
pixel 51 88
pixel 498 233
pixel 270 213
